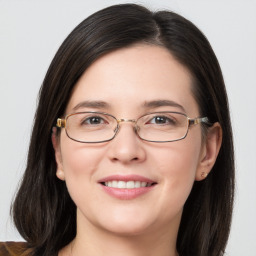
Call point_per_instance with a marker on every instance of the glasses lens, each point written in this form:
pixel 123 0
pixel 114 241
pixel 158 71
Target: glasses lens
pixel 162 126
pixel 91 127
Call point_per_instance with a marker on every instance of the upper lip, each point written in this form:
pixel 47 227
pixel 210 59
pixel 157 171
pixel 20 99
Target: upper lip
pixel 126 178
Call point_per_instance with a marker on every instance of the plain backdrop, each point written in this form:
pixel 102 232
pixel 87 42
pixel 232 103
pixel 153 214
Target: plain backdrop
pixel 30 34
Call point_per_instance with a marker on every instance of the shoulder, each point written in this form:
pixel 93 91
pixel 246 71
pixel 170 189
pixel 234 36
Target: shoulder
pixel 14 249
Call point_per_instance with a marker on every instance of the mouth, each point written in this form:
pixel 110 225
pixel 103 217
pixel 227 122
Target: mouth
pixel 127 187
pixel 131 184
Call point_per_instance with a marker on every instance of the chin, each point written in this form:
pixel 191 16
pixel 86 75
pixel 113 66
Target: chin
pixel 128 230
pixel 130 225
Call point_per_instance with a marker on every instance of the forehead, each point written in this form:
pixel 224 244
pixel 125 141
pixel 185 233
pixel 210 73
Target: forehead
pixel 130 77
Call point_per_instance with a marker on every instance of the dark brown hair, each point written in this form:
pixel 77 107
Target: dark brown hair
pixel 43 211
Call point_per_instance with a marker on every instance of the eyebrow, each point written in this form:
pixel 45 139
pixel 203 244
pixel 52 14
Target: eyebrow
pixel 163 103
pixel 147 104
pixel 92 104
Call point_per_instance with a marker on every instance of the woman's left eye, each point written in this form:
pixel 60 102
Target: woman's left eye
pixel 161 120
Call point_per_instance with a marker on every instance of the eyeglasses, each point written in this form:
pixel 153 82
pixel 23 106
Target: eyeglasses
pixel 96 127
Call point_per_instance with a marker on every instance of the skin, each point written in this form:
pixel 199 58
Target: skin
pixel 126 79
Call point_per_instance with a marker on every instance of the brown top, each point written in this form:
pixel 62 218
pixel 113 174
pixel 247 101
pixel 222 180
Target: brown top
pixel 14 249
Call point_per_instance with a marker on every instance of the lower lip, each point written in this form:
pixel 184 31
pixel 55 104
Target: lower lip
pixel 125 193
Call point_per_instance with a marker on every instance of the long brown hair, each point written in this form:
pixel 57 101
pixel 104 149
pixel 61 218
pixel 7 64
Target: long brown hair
pixel 43 211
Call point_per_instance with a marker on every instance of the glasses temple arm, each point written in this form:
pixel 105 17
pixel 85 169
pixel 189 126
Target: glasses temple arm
pixel 61 123
pixel 200 120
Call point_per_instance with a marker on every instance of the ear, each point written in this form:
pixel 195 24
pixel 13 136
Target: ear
pixel 56 145
pixel 210 150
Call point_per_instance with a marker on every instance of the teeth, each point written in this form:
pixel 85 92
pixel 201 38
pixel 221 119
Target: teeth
pixel 137 184
pixel 129 184
pixel 121 184
pixel 114 183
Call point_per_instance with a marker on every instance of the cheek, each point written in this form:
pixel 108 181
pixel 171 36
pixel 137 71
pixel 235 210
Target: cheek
pixel 179 162
pixel 77 162
pixel 176 168
pixel 80 162
pixel 178 159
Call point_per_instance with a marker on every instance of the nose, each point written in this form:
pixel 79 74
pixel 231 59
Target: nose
pixel 126 147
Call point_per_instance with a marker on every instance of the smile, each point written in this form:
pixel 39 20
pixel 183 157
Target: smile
pixel 127 184
pixel 127 187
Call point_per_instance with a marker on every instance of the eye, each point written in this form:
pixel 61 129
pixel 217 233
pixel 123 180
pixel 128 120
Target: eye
pixel 161 120
pixel 94 120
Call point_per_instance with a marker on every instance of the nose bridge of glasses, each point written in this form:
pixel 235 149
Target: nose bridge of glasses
pixel 123 120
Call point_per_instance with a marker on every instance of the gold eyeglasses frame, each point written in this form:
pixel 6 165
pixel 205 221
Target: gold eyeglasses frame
pixel 61 123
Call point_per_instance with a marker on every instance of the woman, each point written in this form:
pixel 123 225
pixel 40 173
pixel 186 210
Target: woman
pixel 131 151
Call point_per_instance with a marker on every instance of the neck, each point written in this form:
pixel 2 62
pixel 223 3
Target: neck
pixel 125 246
pixel 91 240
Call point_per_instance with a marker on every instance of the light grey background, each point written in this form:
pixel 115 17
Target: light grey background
pixel 30 34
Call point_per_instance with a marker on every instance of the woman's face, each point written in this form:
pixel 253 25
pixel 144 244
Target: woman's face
pixel 127 81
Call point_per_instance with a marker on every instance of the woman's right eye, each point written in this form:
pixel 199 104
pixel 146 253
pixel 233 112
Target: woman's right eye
pixel 93 120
